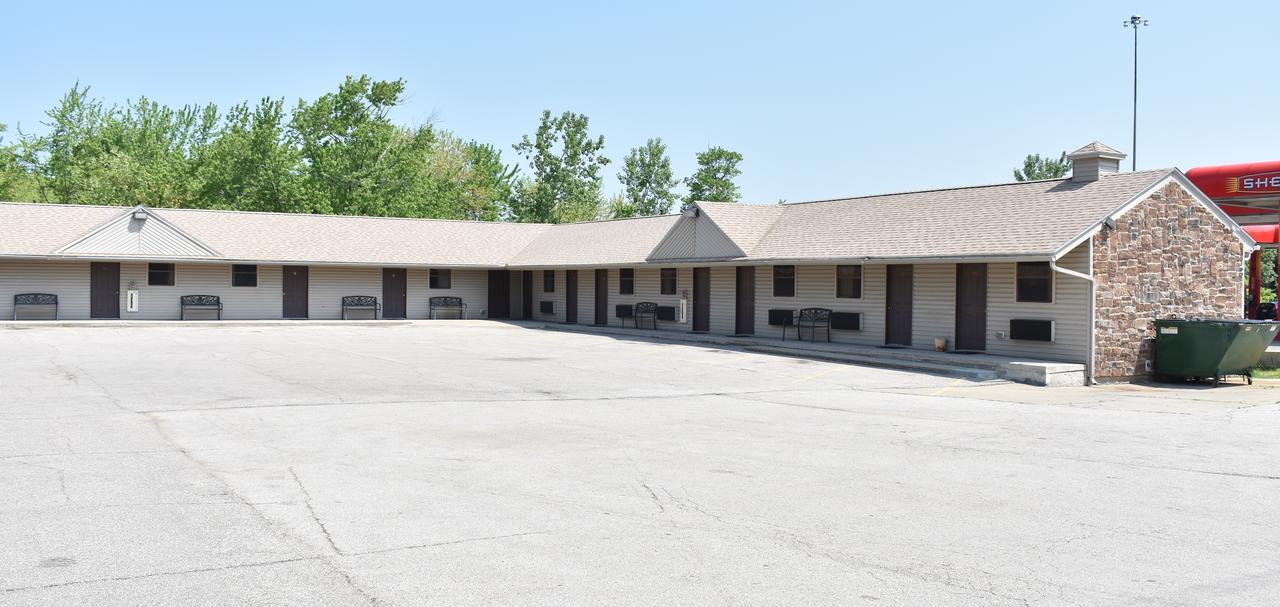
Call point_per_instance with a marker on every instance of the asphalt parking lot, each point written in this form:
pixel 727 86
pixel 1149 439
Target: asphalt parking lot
pixel 452 463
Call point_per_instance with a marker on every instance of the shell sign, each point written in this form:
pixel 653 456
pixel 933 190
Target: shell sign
pixel 1261 183
pixel 1238 180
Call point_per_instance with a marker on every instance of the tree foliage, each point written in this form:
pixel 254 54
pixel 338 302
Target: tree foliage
pixel 713 181
pixel 565 161
pixel 1036 167
pixel 647 180
pixel 340 153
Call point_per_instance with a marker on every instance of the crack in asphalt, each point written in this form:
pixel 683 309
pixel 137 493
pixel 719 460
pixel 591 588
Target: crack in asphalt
pixel 142 576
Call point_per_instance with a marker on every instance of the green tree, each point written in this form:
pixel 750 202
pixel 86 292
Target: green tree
pixel 470 180
pixel 565 161
pixel 356 161
pixel 142 152
pixel 17 184
pixel 713 181
pixel 1036 167
pixel 618 207
pixel 252 165
pixel 647 178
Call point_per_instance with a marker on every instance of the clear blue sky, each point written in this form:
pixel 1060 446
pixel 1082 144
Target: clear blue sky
pixel 823 99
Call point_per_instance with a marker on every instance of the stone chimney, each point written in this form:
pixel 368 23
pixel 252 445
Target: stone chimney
pixel 1093 161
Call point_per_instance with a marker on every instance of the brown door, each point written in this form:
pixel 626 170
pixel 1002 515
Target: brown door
pixel 499 294
pixel 745 314
pixel 971 306
pixel 602 297
pixel 702 299
pixel 104 290
pixel 295 291
pixel 395 293
pixel 897 306
pixel 571 296
pixel 526 294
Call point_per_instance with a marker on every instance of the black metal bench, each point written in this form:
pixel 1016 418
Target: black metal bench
pixel 645 310
pixel 446 302
pixel 200 302
pixel 24 303
pixel 360 302
pixel 813 319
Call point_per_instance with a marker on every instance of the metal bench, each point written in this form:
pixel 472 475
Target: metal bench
pixel 814 319
pixel 200 302
pixel 360 302
pixel 26 303
pixel 645 310
pixel 446 302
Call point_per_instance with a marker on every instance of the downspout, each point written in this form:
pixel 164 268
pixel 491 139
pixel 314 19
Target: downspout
pixel 1093 287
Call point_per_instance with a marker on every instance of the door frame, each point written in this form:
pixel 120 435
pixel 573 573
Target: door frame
pixel 701 300
pixel 526 294
pixel 404 293
pixel 602 298
pixel 498 299
pixel 744 304
pixel 284 293
pixel 907 271
pixel 979 332
pixel 113 309
pixel 571 297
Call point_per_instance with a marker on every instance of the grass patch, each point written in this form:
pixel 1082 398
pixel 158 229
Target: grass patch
pixel 1261 373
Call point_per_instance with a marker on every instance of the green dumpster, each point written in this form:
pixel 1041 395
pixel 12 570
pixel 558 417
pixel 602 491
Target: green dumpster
pixel 1211 349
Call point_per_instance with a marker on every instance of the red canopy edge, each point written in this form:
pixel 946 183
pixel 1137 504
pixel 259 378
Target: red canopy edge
pixel 1238 180
pixel 1264 234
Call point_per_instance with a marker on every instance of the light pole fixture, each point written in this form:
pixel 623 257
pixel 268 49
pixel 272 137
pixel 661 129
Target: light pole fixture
pixel 1135 22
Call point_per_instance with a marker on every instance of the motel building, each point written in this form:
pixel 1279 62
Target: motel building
pixel 1066 272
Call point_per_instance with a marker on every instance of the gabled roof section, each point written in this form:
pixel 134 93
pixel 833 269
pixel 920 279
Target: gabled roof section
pixel 138 232
pixel 596 243
pixel 745 224
pixel 1021 219
pixel 695 236
pixel 42 229
pixel 1098 149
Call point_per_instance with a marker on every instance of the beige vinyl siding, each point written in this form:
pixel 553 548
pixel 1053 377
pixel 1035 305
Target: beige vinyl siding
pixel 724 288
pixel 326 286
pixel 933 305
pixel 557 297
pixel 128 236
pixel 69 280
pixel 471 285
pixel 1069 311
pixel 238 303
pixel 696 238
pixel 816 288
pixel 648 288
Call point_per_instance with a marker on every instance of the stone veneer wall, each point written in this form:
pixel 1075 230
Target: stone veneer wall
pixel 1168 257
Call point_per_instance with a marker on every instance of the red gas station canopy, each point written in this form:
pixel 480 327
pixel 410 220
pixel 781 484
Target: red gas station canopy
pixel 1263 234
pixel 1245 180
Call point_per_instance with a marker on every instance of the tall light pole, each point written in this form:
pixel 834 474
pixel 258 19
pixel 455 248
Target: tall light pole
pixel 1135 22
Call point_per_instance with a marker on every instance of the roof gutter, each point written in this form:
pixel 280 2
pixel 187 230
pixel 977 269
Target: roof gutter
pixel 1093 287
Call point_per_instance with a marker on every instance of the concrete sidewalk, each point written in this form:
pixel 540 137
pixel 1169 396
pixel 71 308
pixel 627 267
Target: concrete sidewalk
pixel 970 366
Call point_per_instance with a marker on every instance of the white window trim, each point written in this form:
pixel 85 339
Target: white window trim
pixel 677 288
pixel 175 276
pixel 431 288
pixel 862 276
pixel 257 275
pixel 633 281
pixel 773 281
pixel 1053 286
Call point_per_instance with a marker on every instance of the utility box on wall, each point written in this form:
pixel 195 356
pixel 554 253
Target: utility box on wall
pixel 131 300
